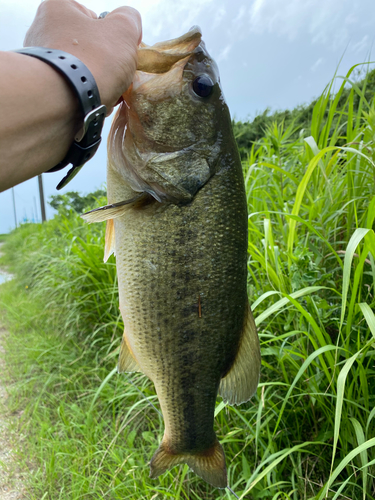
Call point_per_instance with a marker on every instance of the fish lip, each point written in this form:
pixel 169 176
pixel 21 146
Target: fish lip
pixel 195 27
pixel 162 56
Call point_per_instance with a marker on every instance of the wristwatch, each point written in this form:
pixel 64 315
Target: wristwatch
pixel 82 82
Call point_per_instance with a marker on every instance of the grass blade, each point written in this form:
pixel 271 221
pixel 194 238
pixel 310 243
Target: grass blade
pixel 359 449
pixel 283 302
pixel 354 241
pixel 369 316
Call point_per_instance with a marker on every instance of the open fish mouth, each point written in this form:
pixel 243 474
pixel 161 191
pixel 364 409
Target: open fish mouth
pixel 161 66
pixel 160 57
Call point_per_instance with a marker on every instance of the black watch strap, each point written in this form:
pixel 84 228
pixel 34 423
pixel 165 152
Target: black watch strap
pixel 83 84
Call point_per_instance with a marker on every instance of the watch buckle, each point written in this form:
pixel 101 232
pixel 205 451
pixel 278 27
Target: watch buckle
pixel 89 118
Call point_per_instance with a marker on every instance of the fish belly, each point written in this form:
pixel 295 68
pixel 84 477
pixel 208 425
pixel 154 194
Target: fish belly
pixel 182 281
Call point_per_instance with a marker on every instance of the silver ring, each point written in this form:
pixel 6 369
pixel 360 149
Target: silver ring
pixel 103 14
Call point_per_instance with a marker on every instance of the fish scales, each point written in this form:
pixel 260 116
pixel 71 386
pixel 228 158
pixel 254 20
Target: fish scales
pixel 204 256
pixel 177 222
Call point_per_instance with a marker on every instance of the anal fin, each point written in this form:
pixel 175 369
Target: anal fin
pixel 241 382
pixel 208 464
pixel 126 360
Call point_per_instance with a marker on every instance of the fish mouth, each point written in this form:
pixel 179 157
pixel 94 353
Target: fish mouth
pixel 162 56
pixel 161 67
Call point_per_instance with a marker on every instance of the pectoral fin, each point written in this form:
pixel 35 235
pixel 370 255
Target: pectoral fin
pixel 109 247
pixel 241 381
pixel 112 211
pixel 126 360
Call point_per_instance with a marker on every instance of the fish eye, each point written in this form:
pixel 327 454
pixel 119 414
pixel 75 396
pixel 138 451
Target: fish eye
pixel 203 86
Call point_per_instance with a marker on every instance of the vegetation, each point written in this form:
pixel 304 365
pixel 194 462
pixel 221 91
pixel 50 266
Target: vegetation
pixel 300 118
pixel 72 200
pixel 309 433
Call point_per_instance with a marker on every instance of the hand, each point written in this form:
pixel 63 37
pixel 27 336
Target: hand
pixel 108 47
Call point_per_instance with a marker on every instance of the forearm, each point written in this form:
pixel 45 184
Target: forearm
pixel 39 119
pixel 40 115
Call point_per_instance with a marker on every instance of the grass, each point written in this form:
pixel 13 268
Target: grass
pixel 309 433
pixel 3 237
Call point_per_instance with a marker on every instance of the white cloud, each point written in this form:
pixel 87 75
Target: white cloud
pixel 351 19
pixel 316 65
pixel 361 45
pixel 330 23
pixel 224 53
pixel 162 19
pixel 255 10
pixel 240 15
pixel 284 18
pixel 220 15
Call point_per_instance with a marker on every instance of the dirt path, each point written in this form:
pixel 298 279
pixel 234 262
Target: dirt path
pixel 11 486
pixel 4 275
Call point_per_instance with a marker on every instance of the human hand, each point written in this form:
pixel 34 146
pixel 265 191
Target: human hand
pixel 108 47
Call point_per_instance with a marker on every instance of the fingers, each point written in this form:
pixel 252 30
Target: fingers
pixel 83 9
pixel 66 7
pixel 132 16
pixel 92 14
pixel 108 46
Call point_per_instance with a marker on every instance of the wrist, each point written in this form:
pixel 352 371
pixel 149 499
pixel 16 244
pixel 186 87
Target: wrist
pixel 40 116
pixel 83 84
pixel 110 88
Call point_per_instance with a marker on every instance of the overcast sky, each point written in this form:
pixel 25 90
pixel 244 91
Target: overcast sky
pixel 271 53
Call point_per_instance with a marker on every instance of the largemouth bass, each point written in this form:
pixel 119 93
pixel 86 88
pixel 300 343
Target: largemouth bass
pixel 177 221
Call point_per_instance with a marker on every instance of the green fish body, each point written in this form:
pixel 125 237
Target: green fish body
pixel 181 250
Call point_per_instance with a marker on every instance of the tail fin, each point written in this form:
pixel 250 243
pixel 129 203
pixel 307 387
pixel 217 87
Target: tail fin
pixel 208 464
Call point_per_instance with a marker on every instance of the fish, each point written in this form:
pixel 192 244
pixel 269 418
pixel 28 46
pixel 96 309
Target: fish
pixel 177 223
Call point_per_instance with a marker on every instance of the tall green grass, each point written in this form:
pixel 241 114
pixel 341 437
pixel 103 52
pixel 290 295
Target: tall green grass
pixel 309 433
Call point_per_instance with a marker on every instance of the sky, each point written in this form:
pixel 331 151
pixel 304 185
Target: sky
pixel 273 54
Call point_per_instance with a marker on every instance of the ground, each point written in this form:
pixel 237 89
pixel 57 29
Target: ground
pixel 11 484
